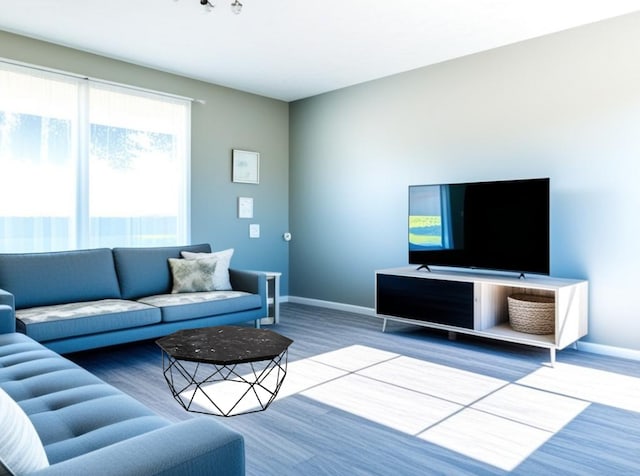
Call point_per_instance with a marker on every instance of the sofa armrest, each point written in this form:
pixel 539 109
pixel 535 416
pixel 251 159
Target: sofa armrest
pixel 7 298
pixel 192 447
pixel 7 321
pixel 251 282
pixel 7 312
pixel 248 281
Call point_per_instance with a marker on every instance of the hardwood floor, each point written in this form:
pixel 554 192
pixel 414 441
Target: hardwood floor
pixel 357 401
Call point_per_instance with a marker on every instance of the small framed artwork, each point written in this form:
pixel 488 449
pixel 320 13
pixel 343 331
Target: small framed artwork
pixel 246 166
pixel 245 207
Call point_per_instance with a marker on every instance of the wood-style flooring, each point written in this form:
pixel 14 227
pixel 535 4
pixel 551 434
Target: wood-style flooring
pixel 410 401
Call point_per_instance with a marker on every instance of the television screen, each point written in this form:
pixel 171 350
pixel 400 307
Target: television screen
pixel 499 225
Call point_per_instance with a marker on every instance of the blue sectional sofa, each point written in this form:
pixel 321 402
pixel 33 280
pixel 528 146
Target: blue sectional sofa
pixel 59 419
pixel 83 299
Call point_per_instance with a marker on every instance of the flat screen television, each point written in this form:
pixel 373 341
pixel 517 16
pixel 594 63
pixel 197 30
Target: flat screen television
pixel 497 225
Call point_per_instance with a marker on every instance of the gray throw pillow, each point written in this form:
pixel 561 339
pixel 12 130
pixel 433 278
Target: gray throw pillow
pixel 192 276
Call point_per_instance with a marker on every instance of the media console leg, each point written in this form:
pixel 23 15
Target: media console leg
pixel 552 356
pixel 384 324
pixel 452 335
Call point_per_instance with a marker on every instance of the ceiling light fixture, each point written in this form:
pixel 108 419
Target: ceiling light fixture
pixel 236 6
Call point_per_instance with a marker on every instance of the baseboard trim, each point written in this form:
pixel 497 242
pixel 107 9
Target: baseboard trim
pixel 609 350
pixel 590 347
pixel 332 305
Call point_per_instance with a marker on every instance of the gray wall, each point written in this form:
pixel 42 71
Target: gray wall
pixel 565 106
pixel 229 119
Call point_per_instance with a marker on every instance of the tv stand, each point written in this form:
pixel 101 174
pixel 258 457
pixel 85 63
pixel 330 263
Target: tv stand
pixel 475 303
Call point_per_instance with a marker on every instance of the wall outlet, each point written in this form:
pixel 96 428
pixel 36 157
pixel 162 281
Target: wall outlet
pixel 254 230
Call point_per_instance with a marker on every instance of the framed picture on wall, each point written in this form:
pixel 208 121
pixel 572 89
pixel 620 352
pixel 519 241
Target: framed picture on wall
pixel 245 207
pixel 246 166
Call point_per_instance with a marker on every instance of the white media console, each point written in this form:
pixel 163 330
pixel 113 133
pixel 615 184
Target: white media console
pixel 476 303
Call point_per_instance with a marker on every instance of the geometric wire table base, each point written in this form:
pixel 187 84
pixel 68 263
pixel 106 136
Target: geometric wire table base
pixel 225 390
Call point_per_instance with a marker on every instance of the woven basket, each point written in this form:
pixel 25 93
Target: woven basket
pixel 531 313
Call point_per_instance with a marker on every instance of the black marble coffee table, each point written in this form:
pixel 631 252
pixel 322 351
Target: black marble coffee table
pixel 226 370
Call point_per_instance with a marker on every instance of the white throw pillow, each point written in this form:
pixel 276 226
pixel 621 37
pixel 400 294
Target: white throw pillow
pixel 221 275
pixel 21 451
pixel 192 276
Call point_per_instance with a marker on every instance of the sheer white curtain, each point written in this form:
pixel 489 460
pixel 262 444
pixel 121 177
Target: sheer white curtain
pixel 138 168
pixel 38 128
pixel 84 164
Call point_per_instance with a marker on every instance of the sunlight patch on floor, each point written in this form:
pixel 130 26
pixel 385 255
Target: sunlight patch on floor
pixel 485 437
pixel 494 421
pixel 386 404
pixel 505 427
pixel 305 374
pixel 440 381
pixel 484 418
pixel 598 386
pixel 354 357
pixel 539 409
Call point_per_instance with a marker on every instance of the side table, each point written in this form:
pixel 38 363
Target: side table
pixel 273 298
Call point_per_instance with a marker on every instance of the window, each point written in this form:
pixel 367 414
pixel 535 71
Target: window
pixel 85 164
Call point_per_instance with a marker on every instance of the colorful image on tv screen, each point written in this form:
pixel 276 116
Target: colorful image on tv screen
pixel 425 231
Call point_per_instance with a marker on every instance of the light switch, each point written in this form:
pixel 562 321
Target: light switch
pixel 254 230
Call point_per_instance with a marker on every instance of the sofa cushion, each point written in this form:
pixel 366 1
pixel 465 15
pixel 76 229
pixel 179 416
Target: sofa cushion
pixel 145 271
pixel 21 451
pixel 81 318
pixel 191 276
pixel 180 307
pixel 42 279
pixel 221 280
pixel 73 411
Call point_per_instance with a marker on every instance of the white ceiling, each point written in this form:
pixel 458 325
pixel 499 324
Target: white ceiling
pixel 292 49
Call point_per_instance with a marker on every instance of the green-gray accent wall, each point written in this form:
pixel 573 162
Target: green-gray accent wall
pixel 228 119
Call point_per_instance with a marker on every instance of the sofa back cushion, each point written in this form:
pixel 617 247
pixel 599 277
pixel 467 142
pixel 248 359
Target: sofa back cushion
pixel 59 277
pixel 145 271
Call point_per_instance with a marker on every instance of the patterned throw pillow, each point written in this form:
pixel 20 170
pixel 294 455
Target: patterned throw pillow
pixel 21 451
pixel 221 280
pixel 192 276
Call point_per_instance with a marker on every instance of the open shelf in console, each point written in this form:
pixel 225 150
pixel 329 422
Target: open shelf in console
pixel 408 295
